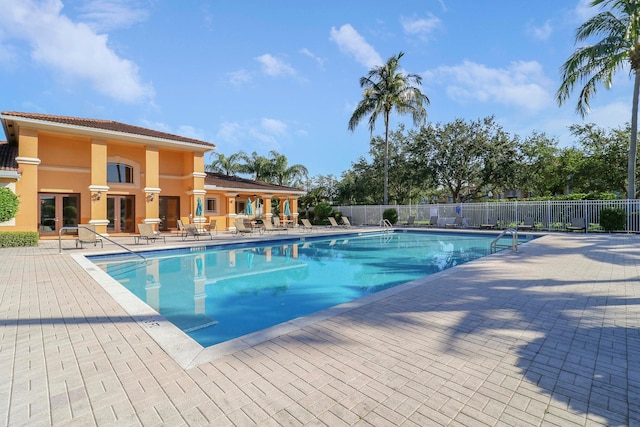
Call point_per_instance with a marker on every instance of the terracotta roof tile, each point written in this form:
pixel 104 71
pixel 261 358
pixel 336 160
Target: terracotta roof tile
pixel 8 154
pixel 234 182
pixel 108 125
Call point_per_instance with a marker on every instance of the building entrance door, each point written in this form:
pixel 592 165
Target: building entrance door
pixel 169 212
pixel 57 211
pixel 121 214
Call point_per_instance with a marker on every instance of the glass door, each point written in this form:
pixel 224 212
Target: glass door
pixel 121 214
pixel 57 211
pixel 169 212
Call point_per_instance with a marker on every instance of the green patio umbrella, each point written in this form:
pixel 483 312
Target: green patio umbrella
pixel 286 210
pixel 248 209
pixel 199 207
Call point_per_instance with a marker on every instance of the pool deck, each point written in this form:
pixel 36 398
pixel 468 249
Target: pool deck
pixel 548 335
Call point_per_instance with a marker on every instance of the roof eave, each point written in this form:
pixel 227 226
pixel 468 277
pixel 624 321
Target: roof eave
pixel 210 187
pixel 99 133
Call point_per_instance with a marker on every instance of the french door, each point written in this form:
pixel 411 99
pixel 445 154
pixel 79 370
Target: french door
pixel 169 212
pixel 121 214
pixel 57 211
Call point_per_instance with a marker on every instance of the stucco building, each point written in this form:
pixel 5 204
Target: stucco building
pixel 68 171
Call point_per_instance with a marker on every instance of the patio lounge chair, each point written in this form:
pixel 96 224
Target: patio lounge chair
pixel 333 223
pixel 433 221
pixel 306 224
pixel 528 224
pixel 577 224
pixel 457 223
pixel 411 221
pixel 491 223
pixel 87 234
pixel 269 227
pixel 345 222
pixel 241 228
pixel 148 233
pixel 212 226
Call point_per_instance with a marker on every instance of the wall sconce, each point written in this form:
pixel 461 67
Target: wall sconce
pixel 150 197
pixel 96 196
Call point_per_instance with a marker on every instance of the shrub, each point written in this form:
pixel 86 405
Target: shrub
pixel 10 239
pixel 390 215
pixel 613 219
pixel 322 211
pixel 8 204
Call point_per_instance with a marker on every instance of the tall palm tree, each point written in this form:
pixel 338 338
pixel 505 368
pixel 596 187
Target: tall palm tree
pixel 285 174
pixel 386 87
pixel 256 165
pixel 225 165
pixel 619 27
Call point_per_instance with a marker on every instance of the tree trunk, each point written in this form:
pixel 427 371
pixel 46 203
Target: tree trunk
pixel 631 176
pixel 386 158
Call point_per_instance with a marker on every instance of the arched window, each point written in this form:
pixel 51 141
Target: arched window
pixel 119 172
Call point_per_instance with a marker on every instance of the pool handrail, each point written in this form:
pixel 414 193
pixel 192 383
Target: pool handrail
pixel 97 234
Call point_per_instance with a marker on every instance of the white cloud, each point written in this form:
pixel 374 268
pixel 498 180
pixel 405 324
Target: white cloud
pixel 584 11
pixel 274 67
pixel 310 54
pixel 105 15
pixel 522 84
pixel 72 49
pixel 239 77
pixel 350 42
pixel 273 126
pixel 249 136
pixel 422 27
pixel 540 33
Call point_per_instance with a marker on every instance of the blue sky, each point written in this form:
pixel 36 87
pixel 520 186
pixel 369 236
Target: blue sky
pixel 284 75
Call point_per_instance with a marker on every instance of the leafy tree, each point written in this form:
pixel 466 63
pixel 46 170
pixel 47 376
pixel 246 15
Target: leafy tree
pixel 466 159
pixel 619 27
pixel 602 167
pixel 285 174
pixel 539 172
pixel 226 165
pixel 386 87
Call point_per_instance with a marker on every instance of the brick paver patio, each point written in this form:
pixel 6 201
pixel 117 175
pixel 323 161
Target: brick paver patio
pixel 549 335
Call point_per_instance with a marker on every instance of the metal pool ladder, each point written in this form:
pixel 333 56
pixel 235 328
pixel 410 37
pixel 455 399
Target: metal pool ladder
pixel 514 240
pixel 386 224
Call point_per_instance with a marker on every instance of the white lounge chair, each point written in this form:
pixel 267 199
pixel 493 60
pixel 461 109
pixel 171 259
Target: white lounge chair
pixel 87 234
pixel 148 233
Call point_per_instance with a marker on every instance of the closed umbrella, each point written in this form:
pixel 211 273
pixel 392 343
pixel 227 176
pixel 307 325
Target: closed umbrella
pixel 286 210
pixel 248 209
pixel 199 207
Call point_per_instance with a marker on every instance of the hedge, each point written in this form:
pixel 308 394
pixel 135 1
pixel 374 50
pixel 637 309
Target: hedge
pixel 9 239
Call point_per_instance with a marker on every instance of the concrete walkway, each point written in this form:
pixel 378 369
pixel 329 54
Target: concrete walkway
pixel 546 336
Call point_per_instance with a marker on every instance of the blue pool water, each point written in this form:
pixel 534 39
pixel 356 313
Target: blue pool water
pixel 223 292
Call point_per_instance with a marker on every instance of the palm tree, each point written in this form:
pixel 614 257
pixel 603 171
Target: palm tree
pixel 256 165
pixel 284 174
pixel 619 28
pixel 386 87
pixel 226 165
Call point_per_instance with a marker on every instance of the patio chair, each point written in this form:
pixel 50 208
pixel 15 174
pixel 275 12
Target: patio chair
pixel 528 224
pixel 241 228
pixel 577 224
pixel 433 221
pixel 306 224
pixel 411 221
pixel 345 222
pixel 87 234
pixel 212 226
pixel 269 227
pixel 148 233
pixel 457 223
pixel 333 223
pixel 491 223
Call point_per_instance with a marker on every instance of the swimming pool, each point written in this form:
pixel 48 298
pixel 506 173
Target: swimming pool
pixel 219 293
